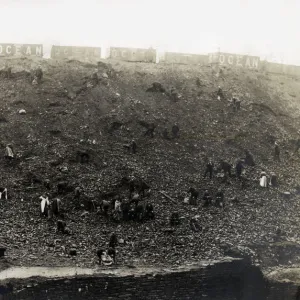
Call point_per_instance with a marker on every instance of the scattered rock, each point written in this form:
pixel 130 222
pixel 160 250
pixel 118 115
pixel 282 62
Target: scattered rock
pixel 64 169
pixel 2 251
pixel 172 165
pixel 71 95
pixel 85 213
pixel 287 195
pixel 35 81
pixel 55 162
pixel 3 119
pixel 238 251
pixel 55 131
pixel 73 252
pixel 22 112
pixel 156 88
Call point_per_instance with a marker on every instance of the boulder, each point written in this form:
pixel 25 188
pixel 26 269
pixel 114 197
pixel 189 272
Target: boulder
pixel 71 95
pixel 2 251
pixel 34 81
pixel 286 195
pixel 156 88
pixel 73 252
pixel 22 112
pixel 64 169
pixel 237 251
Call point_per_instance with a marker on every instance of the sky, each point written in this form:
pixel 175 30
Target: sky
pixel 266 28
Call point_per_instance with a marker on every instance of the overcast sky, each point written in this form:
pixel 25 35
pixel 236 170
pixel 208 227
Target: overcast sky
pixel 259 27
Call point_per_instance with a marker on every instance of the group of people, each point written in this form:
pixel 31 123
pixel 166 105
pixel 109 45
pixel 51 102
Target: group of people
pixel 235 101
pixel 219 200
pixel 123 209
pixel 53 208
pixel 108 257
pixel 132 145
pixel 131 210
pixel 133 207
pixel 174 131
pixel 119 208
pixel 264 182
pixel 240 166
pixel 226 168
pixel 165 134
pixel 193 194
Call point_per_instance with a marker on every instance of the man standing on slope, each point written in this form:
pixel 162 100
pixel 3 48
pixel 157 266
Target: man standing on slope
pixel 220 93
pixel 175 130
pixel 209 169
pixel 9 153
pixel 239 168
pixel 249 160
pixel 263 180
pixel 150 130
pixel 276 152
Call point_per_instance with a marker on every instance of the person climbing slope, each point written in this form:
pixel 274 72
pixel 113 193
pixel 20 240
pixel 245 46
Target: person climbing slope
pixel 9 153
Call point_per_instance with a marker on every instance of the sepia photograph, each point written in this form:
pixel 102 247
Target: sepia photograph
pixel 150 150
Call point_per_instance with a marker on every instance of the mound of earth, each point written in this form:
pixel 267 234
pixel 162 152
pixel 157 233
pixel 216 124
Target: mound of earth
pixel 74 110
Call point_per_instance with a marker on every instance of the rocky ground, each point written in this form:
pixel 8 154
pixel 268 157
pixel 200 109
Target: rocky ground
pixel 67 112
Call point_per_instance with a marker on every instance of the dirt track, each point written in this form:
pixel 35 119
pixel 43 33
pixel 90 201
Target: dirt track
pixel 64 115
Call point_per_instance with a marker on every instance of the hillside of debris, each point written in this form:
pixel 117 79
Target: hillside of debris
pixel 73 110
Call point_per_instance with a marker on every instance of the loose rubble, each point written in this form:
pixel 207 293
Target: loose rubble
pixel 82 120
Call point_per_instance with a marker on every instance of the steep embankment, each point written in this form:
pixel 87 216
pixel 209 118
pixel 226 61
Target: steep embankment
pixel 235 280
pixel 65 114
